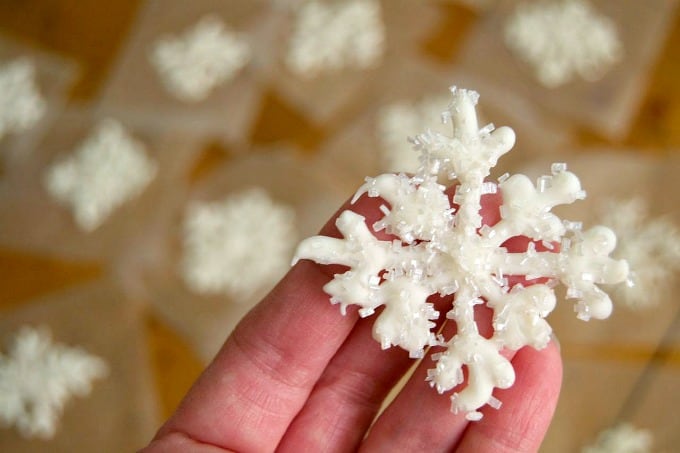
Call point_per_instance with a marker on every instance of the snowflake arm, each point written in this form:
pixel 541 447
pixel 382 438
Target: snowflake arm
pixel 526 208
pixel 440 244
pixel 406 320
pixel 519 317
pixel 361 251
pixel 425 202
pixel 471 152
pixel 487 370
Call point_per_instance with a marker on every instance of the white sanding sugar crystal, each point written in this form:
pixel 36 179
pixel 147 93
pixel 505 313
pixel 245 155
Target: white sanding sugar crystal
pixel 441 247
pixel 21 104
pixel 328 37
pixel 623 438
pixel 563 39
pixel 237 245
pixel 107 169
pixel 400 120
pixel 650 245
pixel 38 377
pixel 205 56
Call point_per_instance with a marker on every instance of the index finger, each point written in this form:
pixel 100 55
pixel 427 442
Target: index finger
pixel 263 374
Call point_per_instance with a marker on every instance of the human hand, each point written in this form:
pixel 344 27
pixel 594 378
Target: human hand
pixel 296 376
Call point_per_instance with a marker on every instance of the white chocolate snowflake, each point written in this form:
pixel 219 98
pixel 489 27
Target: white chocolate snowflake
pixel 108 168
pixel 442 246
pixel 21 104
pixel 562 39
pixel 329 37
pixel 400 120
pixel 204 57
pixel 237 245
pixel 623 438
pixel 37 379
pixel 650 245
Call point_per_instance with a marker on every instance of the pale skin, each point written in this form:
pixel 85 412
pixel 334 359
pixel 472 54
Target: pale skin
pixel 296 375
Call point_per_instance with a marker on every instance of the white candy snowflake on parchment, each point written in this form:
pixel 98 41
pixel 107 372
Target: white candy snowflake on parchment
pixel 441 246
pixel 39 377
pixel 21 104
pixel 650 245
pixel 204 57
pixel 562 39
pixel 107 169
pixel 399 120
pixel 329 37
pixel 623 438
pixel 237 245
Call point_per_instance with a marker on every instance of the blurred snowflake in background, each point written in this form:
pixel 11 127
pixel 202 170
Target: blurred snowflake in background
pixel 237 245
pixel 331 37
pixel 21 104
pixel 38 377
pixel 109 168
pixel 563 39
pixel 623 438
pixel 205 56
pixel 651 247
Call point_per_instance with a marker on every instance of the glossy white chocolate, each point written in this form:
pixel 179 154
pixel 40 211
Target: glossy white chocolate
pixel 443 248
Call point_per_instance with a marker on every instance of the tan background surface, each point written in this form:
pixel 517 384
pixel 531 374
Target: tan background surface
pixel 92 32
